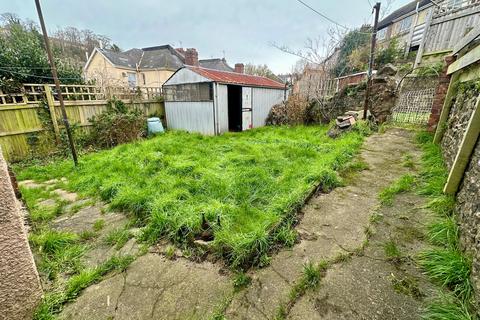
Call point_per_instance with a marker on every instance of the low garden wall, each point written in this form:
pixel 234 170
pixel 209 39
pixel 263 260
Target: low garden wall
pixel 20 290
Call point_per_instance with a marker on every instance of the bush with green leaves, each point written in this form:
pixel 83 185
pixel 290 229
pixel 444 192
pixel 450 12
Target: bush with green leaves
pixel 117 125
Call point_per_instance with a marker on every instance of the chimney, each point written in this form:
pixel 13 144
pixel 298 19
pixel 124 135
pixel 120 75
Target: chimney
pixel 239 68
pixel 191 57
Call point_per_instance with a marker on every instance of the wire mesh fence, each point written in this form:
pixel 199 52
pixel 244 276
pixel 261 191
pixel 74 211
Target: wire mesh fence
pixel 414 107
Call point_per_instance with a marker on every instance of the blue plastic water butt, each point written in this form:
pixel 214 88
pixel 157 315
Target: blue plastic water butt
pixel 154 125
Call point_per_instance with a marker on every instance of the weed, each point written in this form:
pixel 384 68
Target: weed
pixel 407 285
pixel 404 184
pixel 450 268
pixel 170 252
pixel 376 217
pixel 52 302
pixel 86 235
pixel 118 238
pixel 391 250
pixel 408 161
pixel 98 225
pixel 342 257
pixel 241 280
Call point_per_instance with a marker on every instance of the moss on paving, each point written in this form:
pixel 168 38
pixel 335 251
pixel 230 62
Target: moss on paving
pixel 250 182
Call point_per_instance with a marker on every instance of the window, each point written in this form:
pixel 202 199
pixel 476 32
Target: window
pixel 132 79
pixel 144 80
pixel 189 92
pixel 382 34
pixel 405 24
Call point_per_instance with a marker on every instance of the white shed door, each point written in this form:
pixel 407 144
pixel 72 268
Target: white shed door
pixel 246 108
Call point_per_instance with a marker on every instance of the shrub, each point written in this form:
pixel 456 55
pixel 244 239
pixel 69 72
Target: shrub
pixel 117 125
pixel 292 111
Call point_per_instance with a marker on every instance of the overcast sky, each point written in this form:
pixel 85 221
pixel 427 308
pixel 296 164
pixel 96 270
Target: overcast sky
pixel 242 29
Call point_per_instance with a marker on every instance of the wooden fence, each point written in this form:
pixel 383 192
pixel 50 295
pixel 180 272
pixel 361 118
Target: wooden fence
pixel 465 68
pixel 19 117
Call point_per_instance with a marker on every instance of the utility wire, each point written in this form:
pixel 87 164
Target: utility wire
pixel 322 15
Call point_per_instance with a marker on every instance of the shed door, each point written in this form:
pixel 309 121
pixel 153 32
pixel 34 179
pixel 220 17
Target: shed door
pixel 246 108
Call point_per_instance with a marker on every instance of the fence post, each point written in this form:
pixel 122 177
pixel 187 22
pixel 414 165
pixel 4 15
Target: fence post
pixel 51 108
pixel 464 152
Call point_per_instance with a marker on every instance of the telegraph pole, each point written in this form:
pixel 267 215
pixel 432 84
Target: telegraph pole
pixel 376 8
pixel 57 83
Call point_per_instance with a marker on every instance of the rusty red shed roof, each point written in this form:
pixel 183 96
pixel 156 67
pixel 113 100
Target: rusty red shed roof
pixel 236 78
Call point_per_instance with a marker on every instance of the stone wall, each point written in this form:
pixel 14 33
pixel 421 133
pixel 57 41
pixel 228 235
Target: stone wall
pixel 468 209
pixel 468 196
pixel 20 289
pixel 458 118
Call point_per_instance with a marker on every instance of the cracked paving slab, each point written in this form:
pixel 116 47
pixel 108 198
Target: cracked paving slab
pixel 331 223
pixel 154 287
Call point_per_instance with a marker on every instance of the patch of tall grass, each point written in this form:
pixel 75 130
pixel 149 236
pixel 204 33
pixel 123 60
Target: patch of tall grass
pixel 251 182
pixel 446 264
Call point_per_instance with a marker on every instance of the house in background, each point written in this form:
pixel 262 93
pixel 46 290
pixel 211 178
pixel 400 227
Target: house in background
pixel 213 102
pixel 406 25
pixel 431 28
pixel 146 67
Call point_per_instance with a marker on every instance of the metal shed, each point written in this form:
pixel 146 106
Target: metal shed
pixel 213 102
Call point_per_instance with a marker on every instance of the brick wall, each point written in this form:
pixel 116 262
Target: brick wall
pixel 440 94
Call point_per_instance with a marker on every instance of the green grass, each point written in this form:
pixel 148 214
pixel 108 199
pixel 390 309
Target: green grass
pixel 253 181
pixel 445 264
pixel 450 268
pixel 444 232
pixel 98 225
pixel 447 308
pixel 118 237
pixel 53 301
pixel 404 184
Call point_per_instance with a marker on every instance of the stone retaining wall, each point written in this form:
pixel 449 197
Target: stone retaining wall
pixel 458 118
pixel 468 196
pixel 20 289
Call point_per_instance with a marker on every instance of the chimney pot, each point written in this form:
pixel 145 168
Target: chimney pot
pixel 191 57
pixel 239 68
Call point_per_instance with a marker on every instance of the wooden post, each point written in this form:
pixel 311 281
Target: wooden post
pixel 51 108
pixel 447 105
pixel 421 48
pixel 465 151
pixel 371 60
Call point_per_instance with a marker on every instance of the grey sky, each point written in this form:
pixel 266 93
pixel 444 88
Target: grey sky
pixel 243 29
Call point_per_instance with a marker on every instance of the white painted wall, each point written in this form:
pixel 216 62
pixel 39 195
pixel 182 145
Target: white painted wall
pixel 263 100
pixel 190 116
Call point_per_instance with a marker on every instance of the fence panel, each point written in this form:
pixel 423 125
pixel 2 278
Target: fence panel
pixel 20 122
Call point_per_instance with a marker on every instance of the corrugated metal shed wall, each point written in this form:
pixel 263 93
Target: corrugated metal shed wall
pixel 222 108
pixel 190 116
pixel 263 101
